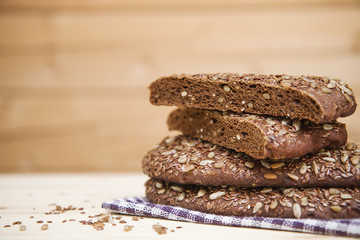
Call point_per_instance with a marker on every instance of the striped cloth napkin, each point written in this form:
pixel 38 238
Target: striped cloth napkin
pixel 142 207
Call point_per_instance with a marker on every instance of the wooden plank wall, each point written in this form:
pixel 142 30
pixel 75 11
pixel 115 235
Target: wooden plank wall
pixel 73 74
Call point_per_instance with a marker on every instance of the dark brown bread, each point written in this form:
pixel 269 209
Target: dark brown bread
pixel 186 160
pixel 319 203
pixel 258 136
pixel 319 99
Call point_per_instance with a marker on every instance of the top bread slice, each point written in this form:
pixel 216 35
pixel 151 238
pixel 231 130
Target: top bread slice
pixel 318 99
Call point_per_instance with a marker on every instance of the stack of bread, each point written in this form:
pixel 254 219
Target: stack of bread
pixel 256 145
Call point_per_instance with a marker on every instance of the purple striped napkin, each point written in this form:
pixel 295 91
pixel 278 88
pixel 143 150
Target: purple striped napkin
pixel 142 207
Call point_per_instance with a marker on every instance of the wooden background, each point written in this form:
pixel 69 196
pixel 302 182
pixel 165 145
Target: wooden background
pixel 74 74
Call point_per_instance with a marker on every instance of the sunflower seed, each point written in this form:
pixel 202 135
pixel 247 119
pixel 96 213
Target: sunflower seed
pixel 290 194
pixel 277 165
pixel 355 159
pixel 187 168
pixel 172 151
pixel 216 195
pixel 273 204
pixel 313 84
pixel 335 208
pixel 270 176
pixel 293 177
pixel 181 196
pixel 182 159
pixel 334 191
pixel 297 210
pixel 201 193
pixel 265 164
pixel 326 90
pixel 287 190
pixel 285 83
pixel 350 146
pixel 315 168
pixel 218 164
pixel 159 185
pixel 304 202
pixel 348 91
pixel 344 158
pixel 346 196
pixel 177 188
pixel 329 159
pixel 266 190
pixel 205 162
pixel 257 207
pixel 161 191
pixel 331 85
pixel 303 168
pixel 348 98
pixel 249 164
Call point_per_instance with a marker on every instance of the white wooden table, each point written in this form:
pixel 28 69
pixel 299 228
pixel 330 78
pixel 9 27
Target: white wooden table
pixel 25 195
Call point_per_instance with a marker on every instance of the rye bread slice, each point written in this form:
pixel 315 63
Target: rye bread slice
pixel 318 203
pixel 318 99
pixel 186 160
pixel 258 136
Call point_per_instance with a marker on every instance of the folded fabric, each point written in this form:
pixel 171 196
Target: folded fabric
pixel 140 206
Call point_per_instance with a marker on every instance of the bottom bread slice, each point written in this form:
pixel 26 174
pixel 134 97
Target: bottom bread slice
pixel 319 203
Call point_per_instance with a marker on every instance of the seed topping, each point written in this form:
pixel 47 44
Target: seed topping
pixel 303 169
pixel 277 165
pixel 257 207
pixel 201 192
pixel 216 195
pixel 335 208
pixel 177 188
pixel 297 210
pixel 293 177
pixel 182 159
pixel 249 164
pixel 211 155
pixel 270 176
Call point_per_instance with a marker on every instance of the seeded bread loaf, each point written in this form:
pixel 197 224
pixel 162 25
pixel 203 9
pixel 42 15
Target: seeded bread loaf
pixel 319 203
pixel 186 160
pixel 318 99
pixel 258 136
